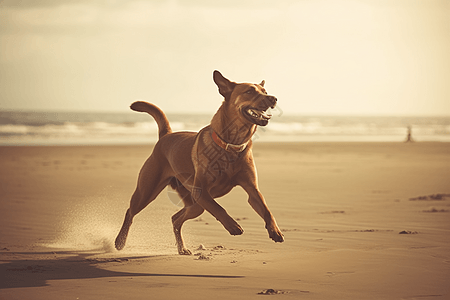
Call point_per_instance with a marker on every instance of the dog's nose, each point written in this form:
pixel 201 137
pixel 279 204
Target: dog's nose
pixel 272 99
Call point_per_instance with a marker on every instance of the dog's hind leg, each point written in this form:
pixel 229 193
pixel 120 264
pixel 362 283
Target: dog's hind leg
pixel 191 210
pixel 150 184
pixel 187 213
pixel 122 236
pixel 137 203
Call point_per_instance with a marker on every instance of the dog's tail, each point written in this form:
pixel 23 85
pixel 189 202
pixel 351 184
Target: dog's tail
pixel 156 113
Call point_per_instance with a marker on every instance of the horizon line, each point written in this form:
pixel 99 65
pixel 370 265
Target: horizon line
pixel 295 114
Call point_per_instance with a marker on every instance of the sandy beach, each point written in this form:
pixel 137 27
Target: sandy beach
pixel 361 221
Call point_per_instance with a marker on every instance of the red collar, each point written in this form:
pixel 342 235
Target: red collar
pixel 228 147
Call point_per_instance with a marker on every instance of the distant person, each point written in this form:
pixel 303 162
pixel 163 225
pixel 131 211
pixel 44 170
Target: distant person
pixel 409 135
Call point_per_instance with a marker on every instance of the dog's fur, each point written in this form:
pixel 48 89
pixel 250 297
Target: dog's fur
pixel 199 168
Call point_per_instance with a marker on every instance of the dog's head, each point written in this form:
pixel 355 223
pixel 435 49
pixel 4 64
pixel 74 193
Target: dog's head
pixel 249 101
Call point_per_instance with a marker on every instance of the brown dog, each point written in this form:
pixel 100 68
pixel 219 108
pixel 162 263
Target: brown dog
pixel 208 164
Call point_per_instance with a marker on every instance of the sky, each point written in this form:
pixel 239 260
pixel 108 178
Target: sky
pixel 318 57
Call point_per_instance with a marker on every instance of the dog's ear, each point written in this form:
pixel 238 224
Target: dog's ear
pixel 226 87
pixel 262 83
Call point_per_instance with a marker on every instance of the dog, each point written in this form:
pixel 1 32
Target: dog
pixel 206 165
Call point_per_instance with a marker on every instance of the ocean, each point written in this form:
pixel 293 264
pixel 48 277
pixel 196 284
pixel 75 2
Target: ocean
pixel 76 128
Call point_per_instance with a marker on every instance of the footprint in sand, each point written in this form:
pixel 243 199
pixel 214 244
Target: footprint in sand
pixel 272 292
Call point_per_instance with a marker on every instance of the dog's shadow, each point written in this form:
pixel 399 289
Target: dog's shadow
pixel 38 272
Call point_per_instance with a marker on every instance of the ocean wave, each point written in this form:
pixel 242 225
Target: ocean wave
pixel 49 129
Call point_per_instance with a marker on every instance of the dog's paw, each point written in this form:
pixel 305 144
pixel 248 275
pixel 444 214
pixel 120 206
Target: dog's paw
pixel 235 230
pixel 120 242
pixel 276 235
pixel 184 251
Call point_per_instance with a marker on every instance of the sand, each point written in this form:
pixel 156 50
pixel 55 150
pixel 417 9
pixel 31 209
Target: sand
pixel 361 221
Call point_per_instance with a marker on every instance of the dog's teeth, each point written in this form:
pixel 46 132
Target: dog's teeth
pixel 260 115
pixel 266 114
pixel 252 113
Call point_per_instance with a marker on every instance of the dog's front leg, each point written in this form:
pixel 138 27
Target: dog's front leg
pixel 257 202
pixel 204 199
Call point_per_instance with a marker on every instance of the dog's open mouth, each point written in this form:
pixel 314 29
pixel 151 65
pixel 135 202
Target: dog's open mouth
pixel 256 116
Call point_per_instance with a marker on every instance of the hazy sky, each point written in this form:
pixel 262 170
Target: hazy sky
pixel 376 57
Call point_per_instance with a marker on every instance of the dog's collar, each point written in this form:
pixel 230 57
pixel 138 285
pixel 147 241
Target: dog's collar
pixel 228 147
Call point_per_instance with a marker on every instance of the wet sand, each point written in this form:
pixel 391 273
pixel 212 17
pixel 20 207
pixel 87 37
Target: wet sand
pixel 361 221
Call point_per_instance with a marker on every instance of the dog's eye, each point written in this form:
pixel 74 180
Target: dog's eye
pixel 250 91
